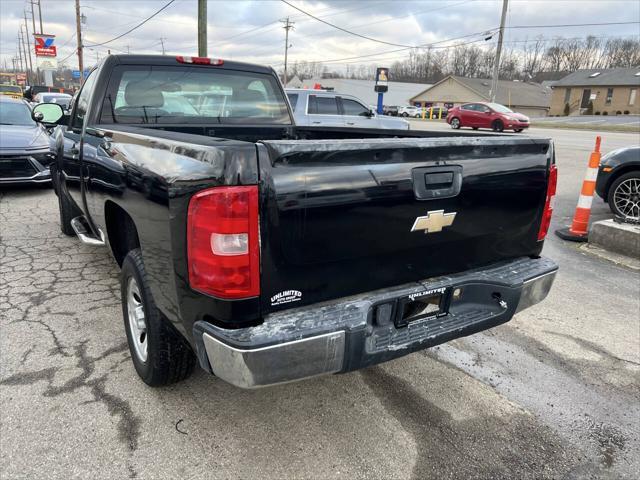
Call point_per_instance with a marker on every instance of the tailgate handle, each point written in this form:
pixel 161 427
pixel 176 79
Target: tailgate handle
pixel 436 182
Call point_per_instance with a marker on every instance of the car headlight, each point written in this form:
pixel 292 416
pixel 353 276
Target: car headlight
pixel 43 158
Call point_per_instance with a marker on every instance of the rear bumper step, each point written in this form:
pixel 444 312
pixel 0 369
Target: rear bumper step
pixel 359 331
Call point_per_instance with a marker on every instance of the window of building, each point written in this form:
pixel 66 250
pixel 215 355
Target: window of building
pixel 567 95
pixel 632 96
pixel 609 96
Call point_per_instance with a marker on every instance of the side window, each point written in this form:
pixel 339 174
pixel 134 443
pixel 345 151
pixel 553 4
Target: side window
pixel 82 102
pixel 293 100
pixel 323 105
pixel 467 107
pixel 351 107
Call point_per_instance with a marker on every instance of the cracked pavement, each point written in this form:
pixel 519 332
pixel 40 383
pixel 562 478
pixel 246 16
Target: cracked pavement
pixel 552 394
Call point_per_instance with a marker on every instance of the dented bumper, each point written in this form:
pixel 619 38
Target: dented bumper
pixel 359 331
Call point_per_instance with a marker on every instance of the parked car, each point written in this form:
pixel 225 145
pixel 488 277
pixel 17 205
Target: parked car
pixel 31 91
pixel 390 110
pixel 410 111
pixel 272 251
pixel 487 115
pixel 24 145
pixel 14 91
pixel 330 109
pixel 618 182
pixel 63 99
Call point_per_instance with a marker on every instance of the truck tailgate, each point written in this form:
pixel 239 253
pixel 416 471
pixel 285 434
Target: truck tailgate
pixel 340 217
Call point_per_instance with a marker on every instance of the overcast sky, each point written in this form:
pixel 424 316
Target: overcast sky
pixel 250 31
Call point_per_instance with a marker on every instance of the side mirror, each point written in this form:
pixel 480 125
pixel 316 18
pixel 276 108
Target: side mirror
pixel 47 113
pixel 487 111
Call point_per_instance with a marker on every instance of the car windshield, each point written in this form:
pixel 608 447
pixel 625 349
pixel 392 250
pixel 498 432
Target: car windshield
pixel 499 108
pixel 10 88
pixel 153 95
pixel 15 113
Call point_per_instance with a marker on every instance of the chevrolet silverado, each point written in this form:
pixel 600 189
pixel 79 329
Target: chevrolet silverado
pixel 270 252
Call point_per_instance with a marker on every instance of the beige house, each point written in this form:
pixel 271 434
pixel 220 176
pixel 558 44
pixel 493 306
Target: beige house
pixel 612 91
pixel 531 99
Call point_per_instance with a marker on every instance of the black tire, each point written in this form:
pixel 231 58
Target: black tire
pixel 498 126
pixel 633 175
pixel 475 128
pixel 67 213
pixel 170 358
pixel 518 130
pixel 404 114
pixel 455 123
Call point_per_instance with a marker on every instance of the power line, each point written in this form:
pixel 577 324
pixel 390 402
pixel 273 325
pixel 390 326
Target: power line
pixel 134 28
pixel 345 30
pixel 573 25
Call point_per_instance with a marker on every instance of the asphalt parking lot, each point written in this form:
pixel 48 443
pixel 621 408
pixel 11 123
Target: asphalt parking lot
pixel 555 393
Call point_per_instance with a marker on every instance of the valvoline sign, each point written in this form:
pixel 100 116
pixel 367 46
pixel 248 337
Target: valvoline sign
pixel 44 45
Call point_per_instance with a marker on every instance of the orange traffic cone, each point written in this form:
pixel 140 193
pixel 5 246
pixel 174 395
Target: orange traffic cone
pixel 579 229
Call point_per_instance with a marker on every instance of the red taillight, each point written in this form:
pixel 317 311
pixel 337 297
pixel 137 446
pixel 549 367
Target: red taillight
pixel 222 242
pixel 200 60
pixel 548 204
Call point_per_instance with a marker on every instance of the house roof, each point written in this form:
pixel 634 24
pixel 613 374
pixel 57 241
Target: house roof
pixel 605 77
pixel 399 93
pixel 522 94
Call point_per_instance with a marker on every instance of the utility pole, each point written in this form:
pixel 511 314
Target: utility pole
pixel 79 37
pixel 162 39
pixel 33 23
pixel 24 54
pixel 26 29
pixel 288 25
pixel 496 65
pixel 202 28
pixel 20 54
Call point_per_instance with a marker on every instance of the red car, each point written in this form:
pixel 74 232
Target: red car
pixel 487 115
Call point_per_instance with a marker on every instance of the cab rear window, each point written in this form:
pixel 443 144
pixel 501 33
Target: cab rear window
pixel 166 95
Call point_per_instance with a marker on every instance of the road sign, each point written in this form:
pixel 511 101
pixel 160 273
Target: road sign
pixel 44 45
pixel 47 63
pixel 76 73
pixel 382 79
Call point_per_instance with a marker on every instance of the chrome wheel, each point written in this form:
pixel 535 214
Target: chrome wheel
pixel 455 123
pixel 137 322
pixel 626 198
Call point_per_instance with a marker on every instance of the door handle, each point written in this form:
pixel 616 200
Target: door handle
pixel 350 123
pixel 316 123
pixel 436 182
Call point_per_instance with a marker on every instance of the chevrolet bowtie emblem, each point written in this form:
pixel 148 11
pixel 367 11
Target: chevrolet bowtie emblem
pixel 433 221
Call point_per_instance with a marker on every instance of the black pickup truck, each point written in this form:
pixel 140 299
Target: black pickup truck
pixel 272 252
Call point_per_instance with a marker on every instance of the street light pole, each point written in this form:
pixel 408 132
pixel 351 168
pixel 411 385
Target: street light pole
pixel 496 65
pixel 202 28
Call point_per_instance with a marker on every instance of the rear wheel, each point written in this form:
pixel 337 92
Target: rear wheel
pixel 455 123
pixel 624 196
pixel 498 126
pixel 475 128
pixel 159 353
pixel 518 130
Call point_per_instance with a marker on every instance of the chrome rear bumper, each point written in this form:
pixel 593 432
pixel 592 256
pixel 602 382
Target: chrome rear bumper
pixel 341 336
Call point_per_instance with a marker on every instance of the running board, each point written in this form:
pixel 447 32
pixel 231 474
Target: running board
pixel 84 233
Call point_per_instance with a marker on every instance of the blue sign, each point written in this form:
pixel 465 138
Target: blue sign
pixel 76 73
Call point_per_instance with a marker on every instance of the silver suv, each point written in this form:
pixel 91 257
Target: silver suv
pixel 330 109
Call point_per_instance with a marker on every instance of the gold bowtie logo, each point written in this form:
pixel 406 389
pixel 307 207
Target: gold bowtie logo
pixel 433 221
